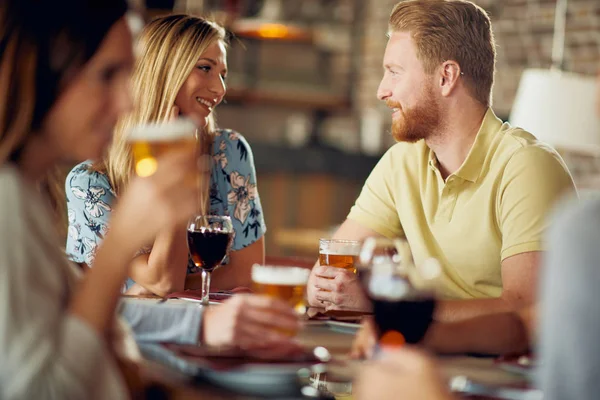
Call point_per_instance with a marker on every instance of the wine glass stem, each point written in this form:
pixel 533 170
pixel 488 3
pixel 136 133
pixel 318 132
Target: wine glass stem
pixel 205 287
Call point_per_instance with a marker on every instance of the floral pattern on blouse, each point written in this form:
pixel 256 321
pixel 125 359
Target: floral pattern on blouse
pixel 233 192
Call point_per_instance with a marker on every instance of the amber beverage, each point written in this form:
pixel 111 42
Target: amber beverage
pixel 149 142
pixel 339 253
pixel 285 283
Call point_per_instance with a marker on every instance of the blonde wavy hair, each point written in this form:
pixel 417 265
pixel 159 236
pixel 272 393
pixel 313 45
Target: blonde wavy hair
pixel 167 51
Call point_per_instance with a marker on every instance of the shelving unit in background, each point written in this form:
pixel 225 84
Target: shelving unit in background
pixel 298 64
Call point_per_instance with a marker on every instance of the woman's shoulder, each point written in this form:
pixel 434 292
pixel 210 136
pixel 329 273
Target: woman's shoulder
pixel 81 169
pixel 230 136
pixel 233 146
pixel 85 173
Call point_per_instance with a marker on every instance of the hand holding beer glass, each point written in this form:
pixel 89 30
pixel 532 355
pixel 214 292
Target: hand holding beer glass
pixel 284 285
pixel 154 143
pixel 209 237
pixel 333 283
pixel 150 141
pixel 282 282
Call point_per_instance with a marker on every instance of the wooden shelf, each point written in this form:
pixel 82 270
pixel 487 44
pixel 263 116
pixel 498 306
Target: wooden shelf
pixel 301 240
pixel 273 31
pixel 319 101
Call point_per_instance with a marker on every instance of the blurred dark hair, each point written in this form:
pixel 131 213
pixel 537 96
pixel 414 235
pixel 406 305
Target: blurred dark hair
pixel 42 44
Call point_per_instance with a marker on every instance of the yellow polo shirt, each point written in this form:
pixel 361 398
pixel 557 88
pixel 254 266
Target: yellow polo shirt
pixel 495 206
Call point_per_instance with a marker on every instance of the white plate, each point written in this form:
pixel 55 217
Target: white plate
pixel 343 327
pixel 262 379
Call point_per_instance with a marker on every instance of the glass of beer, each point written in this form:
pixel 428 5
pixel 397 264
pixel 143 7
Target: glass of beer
pixel 339 253
pixel 150 141
pixel 209 240
pixel 402 312
pixel 283 282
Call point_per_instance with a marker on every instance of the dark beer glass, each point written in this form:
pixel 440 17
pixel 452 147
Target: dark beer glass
pixel 385 270
pixel 209 240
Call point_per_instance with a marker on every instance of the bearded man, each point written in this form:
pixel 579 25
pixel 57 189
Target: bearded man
pixel 460 185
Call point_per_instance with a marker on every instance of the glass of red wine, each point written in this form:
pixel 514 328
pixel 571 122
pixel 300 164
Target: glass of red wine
pixel 387 273
pixel 209 240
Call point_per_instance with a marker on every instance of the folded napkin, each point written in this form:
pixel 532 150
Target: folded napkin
pixel 217 296
pixel 320 314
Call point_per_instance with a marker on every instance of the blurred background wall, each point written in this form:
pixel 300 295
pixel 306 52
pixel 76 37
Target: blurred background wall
pixel 302 84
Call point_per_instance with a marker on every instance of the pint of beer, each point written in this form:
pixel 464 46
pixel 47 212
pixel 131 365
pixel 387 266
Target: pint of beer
pixel 285 283
pixel 148 142
pixel 339 253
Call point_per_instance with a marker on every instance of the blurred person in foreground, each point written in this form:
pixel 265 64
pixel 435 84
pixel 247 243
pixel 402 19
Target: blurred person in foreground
pixel 181 71
pixel 569 324
pixel 461 186
pixel 64 82
pixel 567 333
pixel 565 323
pixel 64 70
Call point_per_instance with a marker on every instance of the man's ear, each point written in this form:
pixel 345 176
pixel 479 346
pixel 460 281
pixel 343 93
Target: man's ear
pixel 449 74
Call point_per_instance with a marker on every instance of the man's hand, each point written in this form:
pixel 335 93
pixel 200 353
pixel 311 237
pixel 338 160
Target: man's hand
pixel 406 371
pixel 365 340
pixel 336 289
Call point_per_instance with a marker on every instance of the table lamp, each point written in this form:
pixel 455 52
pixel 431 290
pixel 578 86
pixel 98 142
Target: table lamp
pixel 558 107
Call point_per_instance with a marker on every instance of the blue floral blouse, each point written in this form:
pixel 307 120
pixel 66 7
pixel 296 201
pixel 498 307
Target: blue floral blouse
pixel 233 192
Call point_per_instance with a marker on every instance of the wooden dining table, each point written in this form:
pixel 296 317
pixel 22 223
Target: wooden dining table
pixel 337 339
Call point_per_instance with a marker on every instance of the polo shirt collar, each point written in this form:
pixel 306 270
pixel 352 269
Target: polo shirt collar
pixel 470 170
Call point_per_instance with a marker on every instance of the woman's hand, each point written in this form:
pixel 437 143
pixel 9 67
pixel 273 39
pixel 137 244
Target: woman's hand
pixel 404 372
pixel 251 322
pixel 166 198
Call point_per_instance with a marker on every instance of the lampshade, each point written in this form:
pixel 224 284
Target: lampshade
pixel 559 108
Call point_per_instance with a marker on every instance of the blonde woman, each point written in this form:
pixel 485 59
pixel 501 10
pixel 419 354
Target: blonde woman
pixel 181 71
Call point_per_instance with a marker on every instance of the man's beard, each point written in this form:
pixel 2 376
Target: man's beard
pixel 419 122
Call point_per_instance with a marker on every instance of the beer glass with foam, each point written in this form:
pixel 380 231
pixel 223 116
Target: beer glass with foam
pixel 339 253
pixel 283 282
pixel 150 141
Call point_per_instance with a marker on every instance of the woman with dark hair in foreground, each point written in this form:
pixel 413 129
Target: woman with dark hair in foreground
pixel 64 72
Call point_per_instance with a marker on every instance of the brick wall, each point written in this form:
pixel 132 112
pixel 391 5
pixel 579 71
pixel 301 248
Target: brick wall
pixel 523 29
